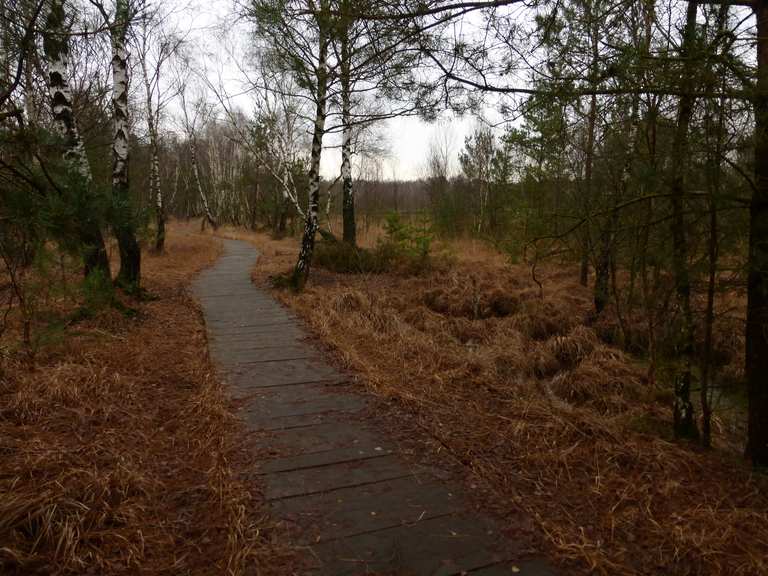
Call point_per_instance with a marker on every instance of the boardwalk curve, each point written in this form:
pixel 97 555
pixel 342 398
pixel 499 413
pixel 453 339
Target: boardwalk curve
pixel 359 507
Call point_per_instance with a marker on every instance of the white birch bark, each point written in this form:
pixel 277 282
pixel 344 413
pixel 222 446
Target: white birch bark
pixel 348 193
pixel 301 271
pixel 347 197
pixel 56 49
pixel 155 190
pixel 130 253
pixel 198 183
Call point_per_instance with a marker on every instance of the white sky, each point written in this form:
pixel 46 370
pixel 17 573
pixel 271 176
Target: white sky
pixel 408 137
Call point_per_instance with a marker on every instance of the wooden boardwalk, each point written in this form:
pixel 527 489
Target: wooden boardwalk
pixel 359 507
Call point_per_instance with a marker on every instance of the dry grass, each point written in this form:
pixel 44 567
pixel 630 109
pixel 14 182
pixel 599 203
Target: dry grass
pixel 543 416
pixel 119 452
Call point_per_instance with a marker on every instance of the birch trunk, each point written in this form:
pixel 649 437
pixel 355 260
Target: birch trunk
pixel 130 254
pixel 56 48
pixel 757 283
pixel 155 190
pixel 157 194
pixel 348 195
pixel 198 183
pixel 301 271
pixel 684 420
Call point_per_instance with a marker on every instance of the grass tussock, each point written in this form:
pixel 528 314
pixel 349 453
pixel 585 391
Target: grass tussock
pixel 119 452
pixel 542 414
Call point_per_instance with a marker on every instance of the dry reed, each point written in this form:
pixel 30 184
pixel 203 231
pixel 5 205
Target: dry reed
pixel 543 416
pixel 119 451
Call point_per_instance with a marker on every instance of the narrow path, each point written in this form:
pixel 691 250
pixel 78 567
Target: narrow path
pixel 359 506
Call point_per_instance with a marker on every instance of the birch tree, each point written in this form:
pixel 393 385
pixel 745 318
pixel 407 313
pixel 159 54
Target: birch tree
pixel 155 47
pixel 378 57
pixel 347 34
pixel 56 48
pixel 301 32
pixel 193 115
pixel 276 136
pixel 129 275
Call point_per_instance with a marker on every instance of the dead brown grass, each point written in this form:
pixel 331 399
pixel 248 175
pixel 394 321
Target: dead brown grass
pixel 119 452
pixel 543 416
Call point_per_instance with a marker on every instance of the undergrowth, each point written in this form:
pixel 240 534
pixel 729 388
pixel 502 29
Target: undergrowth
pixel 405 248
pixel 542 413
pixel 119 451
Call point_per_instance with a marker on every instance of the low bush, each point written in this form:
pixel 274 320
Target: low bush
pixel 406 248
pixel 342 257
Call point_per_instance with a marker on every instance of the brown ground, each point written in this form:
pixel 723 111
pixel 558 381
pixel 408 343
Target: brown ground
pixel 542 416
pixel 119 452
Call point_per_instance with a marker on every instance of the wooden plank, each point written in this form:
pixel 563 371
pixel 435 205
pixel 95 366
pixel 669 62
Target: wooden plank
pixel 327 478
pixel 360 509
pixel 335 411
pixel 323 437
pixel 265 404
pixel 522 567
pixel 254 329
pixel 324 458
pixel 281 373
pixel 250 355
pixel 443 546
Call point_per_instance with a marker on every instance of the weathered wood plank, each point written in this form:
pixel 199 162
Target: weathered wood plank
pixel 335 476
pixel 361 508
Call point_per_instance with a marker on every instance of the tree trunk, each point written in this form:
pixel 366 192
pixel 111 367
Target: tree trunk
pixel 584 261
pixel 157 194
pixel 713 177
pixel 757 283
pixel 589 153
pixel 606 265
pixel 198 183
pixel 649 293
pixel 603 267
pixel 684 420
pixel 301 271
pixel 130 254
pixel 56 47
pixel 30 105
pixel 709 320
pixel 348 197
pixel 155 190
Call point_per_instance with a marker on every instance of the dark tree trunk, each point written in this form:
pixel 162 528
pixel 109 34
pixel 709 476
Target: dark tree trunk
pixel 714 177
pixel 757 290
pixel 684 419
pixel 584 263
pixel 601 275
pixel 603 269
pixel 95 259
pixel 709 320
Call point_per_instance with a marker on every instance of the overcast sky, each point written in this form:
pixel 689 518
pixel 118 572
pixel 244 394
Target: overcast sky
pixel 408 138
